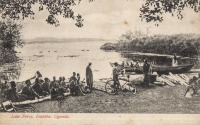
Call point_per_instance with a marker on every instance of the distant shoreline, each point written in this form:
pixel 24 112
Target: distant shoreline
pixel 41 40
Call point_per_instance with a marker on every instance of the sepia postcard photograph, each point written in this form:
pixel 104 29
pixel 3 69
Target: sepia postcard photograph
pixel 100 62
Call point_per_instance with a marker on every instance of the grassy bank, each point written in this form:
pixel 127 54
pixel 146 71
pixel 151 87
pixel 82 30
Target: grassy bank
pixel 181 44
pixel 153 99
pixel 148 100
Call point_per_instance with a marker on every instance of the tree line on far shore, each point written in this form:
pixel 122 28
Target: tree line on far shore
pixel 187 45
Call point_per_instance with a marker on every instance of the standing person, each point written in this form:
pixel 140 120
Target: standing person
pixel 174 60
pixel 115 73
pixel 146 68
pixel 89 77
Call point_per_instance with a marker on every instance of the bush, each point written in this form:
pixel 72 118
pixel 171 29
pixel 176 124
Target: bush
pixel 10 37
pixel 181 44
pixel 109 46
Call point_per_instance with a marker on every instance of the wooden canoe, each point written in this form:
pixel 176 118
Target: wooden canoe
pixel 36 100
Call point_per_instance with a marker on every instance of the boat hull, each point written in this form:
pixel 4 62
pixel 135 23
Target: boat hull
pixel 162 69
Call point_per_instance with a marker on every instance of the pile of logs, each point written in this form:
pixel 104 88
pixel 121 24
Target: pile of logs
pixel 173 79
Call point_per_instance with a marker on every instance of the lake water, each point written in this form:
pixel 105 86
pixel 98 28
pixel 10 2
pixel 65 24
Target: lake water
pixel 61 59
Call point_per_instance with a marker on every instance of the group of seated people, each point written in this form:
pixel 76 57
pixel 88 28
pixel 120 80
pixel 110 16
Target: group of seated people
pixel 76 85
pixel 41 88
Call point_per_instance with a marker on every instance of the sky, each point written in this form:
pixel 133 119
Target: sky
pixel 108 19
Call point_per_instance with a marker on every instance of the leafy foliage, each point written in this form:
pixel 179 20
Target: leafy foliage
pixel 21 9
pixel 10 34
pixel 153 10
pixel 10 37
pixel 181 44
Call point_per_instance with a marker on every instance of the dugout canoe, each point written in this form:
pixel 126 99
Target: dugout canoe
pixel 36 100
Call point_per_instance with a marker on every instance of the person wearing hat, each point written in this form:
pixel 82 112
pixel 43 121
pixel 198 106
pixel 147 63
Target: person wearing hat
pixel 116 73
pixel 29 92
pixel 89 77
pixel 146 68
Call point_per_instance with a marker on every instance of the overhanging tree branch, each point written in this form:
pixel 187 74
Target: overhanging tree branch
pixel 153 10
pixel 21 9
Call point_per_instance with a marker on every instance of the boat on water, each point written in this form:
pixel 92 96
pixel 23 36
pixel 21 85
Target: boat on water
pixel 162 69
pixel 162 64
pixel 159 69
